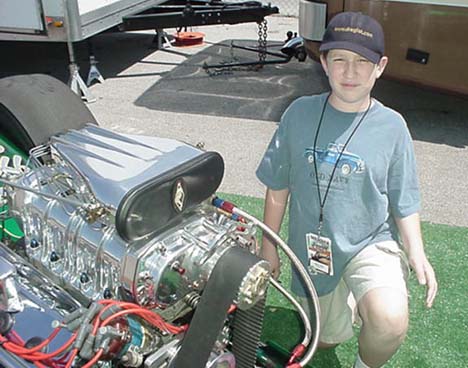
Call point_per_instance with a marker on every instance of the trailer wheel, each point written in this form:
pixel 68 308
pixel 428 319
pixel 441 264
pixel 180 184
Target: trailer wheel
pixel 34 107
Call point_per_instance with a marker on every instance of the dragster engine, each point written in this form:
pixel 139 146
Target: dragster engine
pixel 127 259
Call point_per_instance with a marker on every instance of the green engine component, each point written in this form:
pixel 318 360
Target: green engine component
pixel 9 228
pixel 9 149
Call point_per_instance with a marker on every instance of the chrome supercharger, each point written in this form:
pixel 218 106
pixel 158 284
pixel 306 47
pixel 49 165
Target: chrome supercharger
pixel 126 259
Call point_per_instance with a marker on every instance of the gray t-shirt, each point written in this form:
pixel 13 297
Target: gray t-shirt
pixel 375 178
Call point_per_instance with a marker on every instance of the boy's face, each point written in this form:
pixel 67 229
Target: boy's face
pixel 351 78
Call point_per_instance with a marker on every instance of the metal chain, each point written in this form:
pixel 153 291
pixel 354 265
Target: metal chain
pixel 262 40
pixel 262 48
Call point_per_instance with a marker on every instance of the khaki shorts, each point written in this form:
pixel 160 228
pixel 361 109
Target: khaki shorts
pixel 378 265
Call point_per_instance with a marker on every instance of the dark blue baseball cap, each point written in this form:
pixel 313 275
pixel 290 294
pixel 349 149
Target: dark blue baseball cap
pixel 355 32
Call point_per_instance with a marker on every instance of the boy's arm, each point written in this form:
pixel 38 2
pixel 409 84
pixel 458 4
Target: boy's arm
pixel 410 232
pixel 275 206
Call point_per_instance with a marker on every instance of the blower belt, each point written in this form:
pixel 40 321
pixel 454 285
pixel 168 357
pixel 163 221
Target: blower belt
pixel 208 320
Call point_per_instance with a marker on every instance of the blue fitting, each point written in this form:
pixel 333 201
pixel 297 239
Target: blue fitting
pixel 217 202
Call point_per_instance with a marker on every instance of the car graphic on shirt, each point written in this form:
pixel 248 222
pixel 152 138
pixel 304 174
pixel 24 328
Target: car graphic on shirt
pixel 349 162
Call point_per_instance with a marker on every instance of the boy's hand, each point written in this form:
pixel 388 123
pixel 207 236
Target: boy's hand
pixel 275 205
pixel 410 231
pixel 270 254
pixel 425 275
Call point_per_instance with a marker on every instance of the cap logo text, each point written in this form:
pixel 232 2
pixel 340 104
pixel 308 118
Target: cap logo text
pixel 354 30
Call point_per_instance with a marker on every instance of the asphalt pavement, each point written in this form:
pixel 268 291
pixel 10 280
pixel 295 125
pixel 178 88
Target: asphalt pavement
pixel 235 111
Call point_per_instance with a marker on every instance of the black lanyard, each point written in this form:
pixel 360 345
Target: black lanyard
pixel 322 203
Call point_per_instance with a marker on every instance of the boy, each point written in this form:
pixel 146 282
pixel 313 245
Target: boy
pixel 347 163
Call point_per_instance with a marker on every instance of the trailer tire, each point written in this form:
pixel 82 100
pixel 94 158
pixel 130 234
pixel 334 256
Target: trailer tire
pixel 34 107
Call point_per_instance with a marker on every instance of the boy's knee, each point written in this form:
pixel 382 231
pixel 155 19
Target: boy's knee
pixel 386 314
pixel 392 323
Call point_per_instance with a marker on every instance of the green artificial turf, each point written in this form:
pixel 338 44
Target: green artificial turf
pixel 437 337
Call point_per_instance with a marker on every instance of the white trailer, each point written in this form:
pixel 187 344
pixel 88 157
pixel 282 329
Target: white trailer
pixel 66 21
pixel 76 20
pixel 46 20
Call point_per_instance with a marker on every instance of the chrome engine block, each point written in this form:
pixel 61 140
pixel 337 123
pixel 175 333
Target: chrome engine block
pixel 116 219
